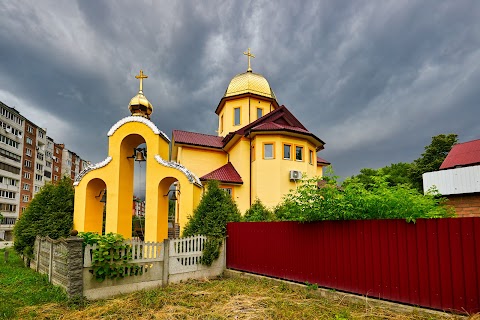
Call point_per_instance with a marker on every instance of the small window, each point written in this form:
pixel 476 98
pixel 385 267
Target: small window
pixel 310 156
pixel 28 152
pixel 268 151
pixel 259 113
pixel 29 141
pixel 298 153
pixel 26 175
pixel 26 198
pixel 287 151
pixel 236 120
pixel 227 190
pixel 26 186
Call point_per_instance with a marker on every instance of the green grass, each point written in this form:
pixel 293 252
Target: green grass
pixel 21 287
pixel 27 295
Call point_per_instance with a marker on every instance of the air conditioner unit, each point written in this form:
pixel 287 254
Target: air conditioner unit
pixel 295 175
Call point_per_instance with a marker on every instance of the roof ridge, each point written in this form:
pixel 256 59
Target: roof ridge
pixel 204 134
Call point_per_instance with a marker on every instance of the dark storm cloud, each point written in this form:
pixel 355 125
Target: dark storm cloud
pixel 374 79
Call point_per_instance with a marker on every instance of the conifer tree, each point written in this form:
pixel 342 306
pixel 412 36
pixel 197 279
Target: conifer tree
pixel 50 213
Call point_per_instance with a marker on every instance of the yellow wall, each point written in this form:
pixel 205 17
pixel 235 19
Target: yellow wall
pixel 271 177
pixel 239 156
pixel 248 113
pixel 201 161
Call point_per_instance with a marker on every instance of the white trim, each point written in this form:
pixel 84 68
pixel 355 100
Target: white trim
pixel 143 120
pixel 89 168
pixel 171 164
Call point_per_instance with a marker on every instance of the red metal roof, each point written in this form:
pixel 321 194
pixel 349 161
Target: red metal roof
pixel 272 126
pixel 226 173
pixel 322 161
pixel 463 155
pixel 197 139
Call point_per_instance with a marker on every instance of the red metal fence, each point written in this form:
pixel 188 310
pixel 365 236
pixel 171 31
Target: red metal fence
pixel 433 263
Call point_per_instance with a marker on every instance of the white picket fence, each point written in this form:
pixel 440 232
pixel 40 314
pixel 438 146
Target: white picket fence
pixel 141 252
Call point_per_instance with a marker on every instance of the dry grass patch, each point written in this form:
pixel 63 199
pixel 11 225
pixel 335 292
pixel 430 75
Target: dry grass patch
pixel 225 298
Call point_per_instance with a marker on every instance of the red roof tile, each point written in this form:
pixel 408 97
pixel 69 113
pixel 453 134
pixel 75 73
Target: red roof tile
pixel 322 161
pixel 463 155
pixel 197 139
pixel 226 173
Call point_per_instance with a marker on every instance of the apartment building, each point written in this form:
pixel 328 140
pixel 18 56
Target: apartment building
pixel 28 160
pixel 11 154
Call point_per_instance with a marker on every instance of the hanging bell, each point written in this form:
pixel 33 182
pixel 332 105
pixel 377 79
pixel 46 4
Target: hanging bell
pixel 139 156
pixel 104 197
pixel 174 196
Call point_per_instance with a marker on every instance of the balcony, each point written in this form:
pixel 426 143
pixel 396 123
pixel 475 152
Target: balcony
pixel 7 223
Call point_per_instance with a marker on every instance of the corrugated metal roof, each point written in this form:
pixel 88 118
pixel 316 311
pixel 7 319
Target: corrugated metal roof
pixel 322 161
pixel 226 173
pixel 198 139
pixel 463 155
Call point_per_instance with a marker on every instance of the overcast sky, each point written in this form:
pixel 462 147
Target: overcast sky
pixel 375 80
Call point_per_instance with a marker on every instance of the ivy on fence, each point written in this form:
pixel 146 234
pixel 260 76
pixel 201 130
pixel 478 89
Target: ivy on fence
pixel 110 259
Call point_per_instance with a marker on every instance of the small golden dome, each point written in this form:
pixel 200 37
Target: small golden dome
pixel 249 82
pixel 139 105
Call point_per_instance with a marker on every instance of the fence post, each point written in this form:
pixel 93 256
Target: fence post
pixel 75 266
pixel 37 261
pixel 50 262
pixel 166 261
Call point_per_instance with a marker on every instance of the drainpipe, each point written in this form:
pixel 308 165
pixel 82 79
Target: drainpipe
pixel 250 193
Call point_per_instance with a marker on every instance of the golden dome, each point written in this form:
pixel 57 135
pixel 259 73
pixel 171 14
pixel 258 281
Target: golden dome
pixel 139 105
pixel 249 82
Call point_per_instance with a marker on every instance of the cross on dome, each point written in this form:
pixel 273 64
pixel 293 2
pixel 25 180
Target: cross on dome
pixel 141 76
pixel 249 55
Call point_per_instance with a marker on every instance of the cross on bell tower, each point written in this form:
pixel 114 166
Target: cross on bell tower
pixel 141 76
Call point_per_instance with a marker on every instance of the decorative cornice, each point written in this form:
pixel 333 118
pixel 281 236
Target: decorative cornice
pixel 171 164
pixel 143 120
pixel 89 168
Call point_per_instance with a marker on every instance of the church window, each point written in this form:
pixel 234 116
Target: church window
pixel 268 151
pixel 259 113
pixel 228 190
pixel 236 120
pixel 299 153
pixel 310 156
pixel 287 151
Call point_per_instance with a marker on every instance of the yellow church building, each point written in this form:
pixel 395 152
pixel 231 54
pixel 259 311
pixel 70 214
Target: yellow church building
pixel 261 150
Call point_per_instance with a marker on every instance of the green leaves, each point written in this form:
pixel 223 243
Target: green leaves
pixel 356 202
pixel 50 213
pixel 111 257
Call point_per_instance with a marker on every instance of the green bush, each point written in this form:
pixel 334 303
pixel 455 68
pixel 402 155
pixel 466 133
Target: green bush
pixel 210 219
pixel 258 212
pixel 356 202
pixel 50 213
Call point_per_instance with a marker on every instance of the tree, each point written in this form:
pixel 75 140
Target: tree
pixel 50 213
pixel 432 158
pixel 258 212
pixel 210 219
pixel 212 214
pixel 394 174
